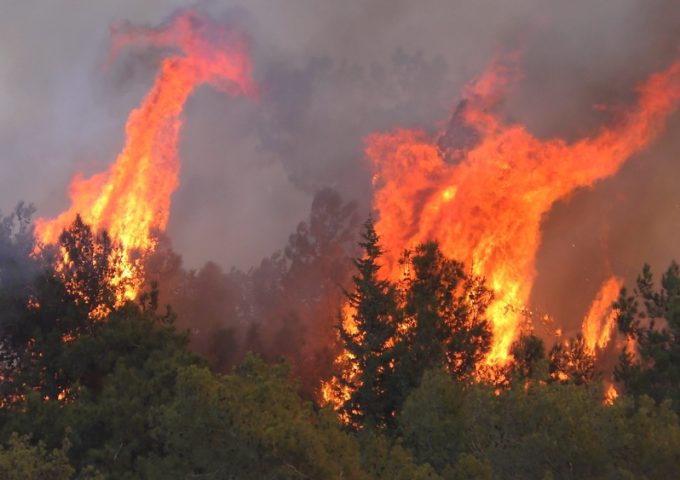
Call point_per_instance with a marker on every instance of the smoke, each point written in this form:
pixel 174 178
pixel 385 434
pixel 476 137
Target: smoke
pixel 331 73
pixel 287 306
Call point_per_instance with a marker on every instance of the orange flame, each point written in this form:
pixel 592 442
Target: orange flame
pixel 599 322
pixel 131 200
pixel 610 395
pixel 486 208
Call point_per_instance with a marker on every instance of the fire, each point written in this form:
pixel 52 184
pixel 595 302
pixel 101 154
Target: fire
pixel 131 200
pixel 599 323
pixel 610 395
pixel 483 201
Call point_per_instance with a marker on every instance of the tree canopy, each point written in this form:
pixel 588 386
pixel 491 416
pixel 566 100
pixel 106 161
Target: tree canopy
pixel 121 395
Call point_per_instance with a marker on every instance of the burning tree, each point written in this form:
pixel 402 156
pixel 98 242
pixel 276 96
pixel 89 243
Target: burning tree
pixel 650 319
pixel 392 333
pixel 368 336
pixel 131 200
pixel 483 197
pixel 572 361
pixel 445 323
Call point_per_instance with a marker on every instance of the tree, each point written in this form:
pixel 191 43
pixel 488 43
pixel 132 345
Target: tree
pixel 431 422
pixel 528 358
pixel 650 317
pixel 444 311
pixel 366 336
pixel 21 460
pixel 18 269
pixel 88 267
pixel 70 292
pixel 249 425
pixel 572 361
pixel 552 430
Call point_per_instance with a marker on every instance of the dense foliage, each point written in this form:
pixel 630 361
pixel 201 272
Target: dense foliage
pixel 119 394
pixel 651 318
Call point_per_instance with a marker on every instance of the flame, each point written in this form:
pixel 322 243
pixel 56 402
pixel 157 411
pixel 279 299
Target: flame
pixel 599 322
pixel 336 392
pixel 131 200
pixel 610 395
pixel 486 207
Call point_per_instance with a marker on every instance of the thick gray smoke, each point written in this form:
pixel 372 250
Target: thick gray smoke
pixel 332 72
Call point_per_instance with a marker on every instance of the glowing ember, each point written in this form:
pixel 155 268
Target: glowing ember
pixel 485 208
pixel 599 323
pixel 132 198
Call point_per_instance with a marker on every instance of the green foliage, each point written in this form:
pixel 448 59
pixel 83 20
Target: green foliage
pixel 125 369
pixel 548 430
pixel 248 425
pixel 468 467
pixel 651 317
pixel 430 419
pixel 529 361
pixel 121 396
pixel 21 460
pixel 387 460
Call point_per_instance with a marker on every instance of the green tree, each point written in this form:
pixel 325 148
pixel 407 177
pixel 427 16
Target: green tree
pixel 529 360
pixel 52 310
pixel 651 318
pixel 21 460
pixel 431 422
pixel 385 459
pixel 249 425
pixel 551 430
pixel 122 371
pixel 444 310
pixel 372 302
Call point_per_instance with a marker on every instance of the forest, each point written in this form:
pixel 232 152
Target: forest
pixel 259 374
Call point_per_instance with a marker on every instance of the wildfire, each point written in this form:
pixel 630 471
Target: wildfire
pixel 131 200
pixel 483 199
pixel 599 323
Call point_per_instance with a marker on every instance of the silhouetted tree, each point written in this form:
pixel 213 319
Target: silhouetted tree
pixel 572 361
pixel 88 266
pixel 366 335
pixel 528 358
pixel 651 318
pixel 444 311
pixel 56 309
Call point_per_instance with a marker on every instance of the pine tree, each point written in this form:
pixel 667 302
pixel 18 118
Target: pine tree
pixel 528 359
pixel 651 318
pixel 366 337
pixel 444 309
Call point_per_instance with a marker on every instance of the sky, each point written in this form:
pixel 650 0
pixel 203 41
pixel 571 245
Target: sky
pixel 331 73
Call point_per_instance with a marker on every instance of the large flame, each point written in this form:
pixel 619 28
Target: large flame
pixel 484 202
pixel 131 200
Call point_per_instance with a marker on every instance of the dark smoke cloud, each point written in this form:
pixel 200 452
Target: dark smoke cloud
pixel 332 72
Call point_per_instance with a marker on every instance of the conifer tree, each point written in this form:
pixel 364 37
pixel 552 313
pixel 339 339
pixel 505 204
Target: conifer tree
pixel 366 336
pixel 444 310
pixel 651 318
